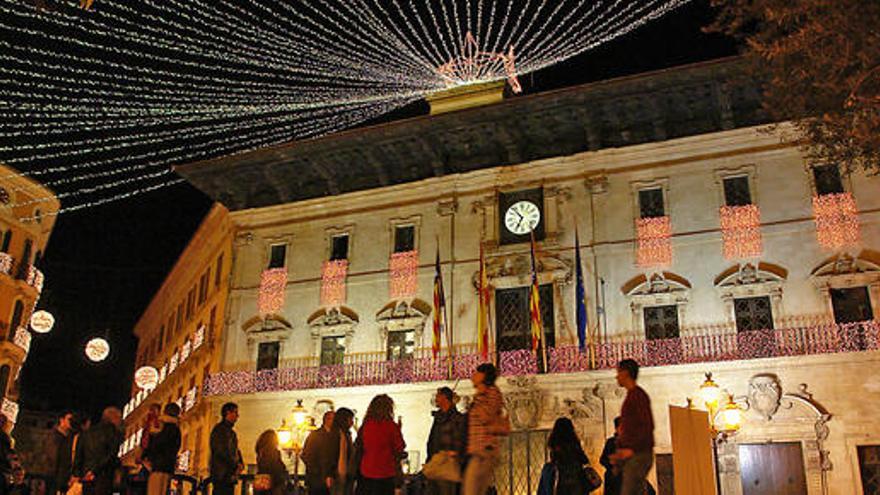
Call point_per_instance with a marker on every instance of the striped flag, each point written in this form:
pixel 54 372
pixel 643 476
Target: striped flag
pixel 483 310
pixel 535 306
pixel 580 292
pixel 439 308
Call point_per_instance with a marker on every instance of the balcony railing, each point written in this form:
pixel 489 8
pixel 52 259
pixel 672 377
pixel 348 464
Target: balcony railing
pixel 707 344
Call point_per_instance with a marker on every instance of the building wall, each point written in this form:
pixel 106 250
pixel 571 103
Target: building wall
pixel 595 193
pixel 208 256
pixel 26 217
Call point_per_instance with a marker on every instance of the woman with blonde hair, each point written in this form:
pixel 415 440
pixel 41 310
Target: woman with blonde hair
pixel 380 446
pixel 271 476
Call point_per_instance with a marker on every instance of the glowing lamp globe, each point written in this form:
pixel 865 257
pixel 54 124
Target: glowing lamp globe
pixel 42 321
pixel 285 435
pixel 710 392
pixel 146 377
pixel 97 349
pixel 731 417
pixel 299 414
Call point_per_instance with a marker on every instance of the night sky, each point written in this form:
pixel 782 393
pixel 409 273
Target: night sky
pixel 104 264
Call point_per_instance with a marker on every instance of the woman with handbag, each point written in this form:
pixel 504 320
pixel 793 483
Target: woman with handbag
pixel 446 444
pixel 569 470
pixel 381 447
pixel 271 478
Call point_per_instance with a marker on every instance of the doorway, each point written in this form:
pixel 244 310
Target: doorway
pixel 772 469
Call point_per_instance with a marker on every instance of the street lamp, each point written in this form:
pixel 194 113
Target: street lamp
pixel 729 416
pixel 292 437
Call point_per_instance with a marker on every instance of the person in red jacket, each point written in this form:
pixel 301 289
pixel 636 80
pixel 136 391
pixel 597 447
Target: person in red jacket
pixel 382 447
pixel 635 444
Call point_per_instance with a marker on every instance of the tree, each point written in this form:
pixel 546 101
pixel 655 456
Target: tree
pixel 821 63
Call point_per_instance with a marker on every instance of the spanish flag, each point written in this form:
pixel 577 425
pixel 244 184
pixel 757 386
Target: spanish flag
pixel 439 308
pixel 483 310
pixel 535 306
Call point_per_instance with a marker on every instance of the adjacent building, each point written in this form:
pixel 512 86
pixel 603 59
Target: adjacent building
pixel 708 244
pixel 179 336
pixel 26 219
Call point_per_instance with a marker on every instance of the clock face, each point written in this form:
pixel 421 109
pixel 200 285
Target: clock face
pixel 522 217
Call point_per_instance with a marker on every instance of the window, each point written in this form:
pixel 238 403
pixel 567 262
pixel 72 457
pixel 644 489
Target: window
pixel 25 260
pixel 4 379
pixel 827 178
pixel 514 318
pixel 651 203
pixel 753 313
pixel 661 322
pixel 7 239
pixel 404 238
pixel 267 356
pixel 203 287
pixel 169 329
pixel 332 350
pixel 179 324
pixel 277 255
pixel 869 467
pixel 218 271
pixel 736 191
pixel 206 372
pixel 190 303
pixel 211 322
pixel 851 305
pixel 339 247
pixel 17 315
pixel 401 344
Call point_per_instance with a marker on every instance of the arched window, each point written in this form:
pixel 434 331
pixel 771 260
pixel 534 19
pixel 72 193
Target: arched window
pixel 17 315
pixel 4 379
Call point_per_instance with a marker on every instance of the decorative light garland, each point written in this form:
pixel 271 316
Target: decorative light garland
pixel 654 242
pixel 403 274
pixel 273 285
pixel 199 337
pixel 333 274
pixel 35 278
pixel 741 232
pixel 10 410
pixel 23 339
pixel 837 220
pixel 6 261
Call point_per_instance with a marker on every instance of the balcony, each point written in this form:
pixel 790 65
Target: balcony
pixel 794 337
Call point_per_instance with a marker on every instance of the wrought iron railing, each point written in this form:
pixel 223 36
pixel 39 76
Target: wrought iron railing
pixel 701 344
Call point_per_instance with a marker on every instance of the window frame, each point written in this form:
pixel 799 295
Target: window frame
pixel 272 262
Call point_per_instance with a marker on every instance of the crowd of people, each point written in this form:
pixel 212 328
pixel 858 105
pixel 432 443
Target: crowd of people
pixel 463 449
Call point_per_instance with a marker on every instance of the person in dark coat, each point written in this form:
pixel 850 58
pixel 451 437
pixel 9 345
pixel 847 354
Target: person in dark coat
pixel 448 434
pixel 269 463
pixel 321 456
pixel 565 473
pixel 226 463
pixel 612 474
pixel 98 454
pixel 61 454
pixel 6 455
pixel 343 420
pixel 161 451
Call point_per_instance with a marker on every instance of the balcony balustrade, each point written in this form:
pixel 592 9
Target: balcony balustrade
pixel 793 337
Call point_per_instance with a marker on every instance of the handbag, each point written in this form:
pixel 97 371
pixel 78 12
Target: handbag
pixel 262 482
pixel 593 480
pixel 442 467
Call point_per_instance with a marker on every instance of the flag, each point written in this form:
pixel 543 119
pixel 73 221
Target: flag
pixel 483 310
pixel 535 305
pixel 580 303
pixel 439 307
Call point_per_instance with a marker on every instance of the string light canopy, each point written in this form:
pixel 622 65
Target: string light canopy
pixel 99 102
pixel 42 321
pixel 97 349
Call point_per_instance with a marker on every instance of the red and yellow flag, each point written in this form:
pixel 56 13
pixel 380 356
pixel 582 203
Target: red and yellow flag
pixel 537 325
pixel 439 308
pixel 483 310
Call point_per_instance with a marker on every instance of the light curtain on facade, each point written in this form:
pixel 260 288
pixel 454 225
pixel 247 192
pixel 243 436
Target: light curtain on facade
pixel 333 275
pixel 741 232
pixel 404 274
pixel 654 242
pixel 273 283
pixel 837 220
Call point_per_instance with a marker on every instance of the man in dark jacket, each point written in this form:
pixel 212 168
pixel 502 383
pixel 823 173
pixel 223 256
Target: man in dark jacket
pixel 448 434
pixel 162 451
pixel 321 457
pixel 612 473
pixel 226 461
pixel 98 454
pixel 61 453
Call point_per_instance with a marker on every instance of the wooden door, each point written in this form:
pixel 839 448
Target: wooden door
pixel 772 469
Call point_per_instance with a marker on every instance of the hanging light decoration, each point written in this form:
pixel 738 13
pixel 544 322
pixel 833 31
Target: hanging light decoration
pixel 5 263
pixel 654 242
pixel 273 283
pixel 97 349
pixel 333 275
pixel 42 321
pixel 837 220
pixel 10 410
pixel 404 274
pixel 146 377
pixel 741 231
pixel 23 339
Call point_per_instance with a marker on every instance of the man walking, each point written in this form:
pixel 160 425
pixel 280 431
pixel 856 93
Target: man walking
pixel 487 423
pixel 161 451
pixel 447 437
pixel 321 456
pixel 635 444
pixel 100 454
pixel 226 463
pixel 61 453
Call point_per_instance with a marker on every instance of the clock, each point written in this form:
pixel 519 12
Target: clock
pixel 522 217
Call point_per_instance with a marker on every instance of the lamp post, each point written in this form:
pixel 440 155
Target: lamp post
pixel 729 415
pixel 291 438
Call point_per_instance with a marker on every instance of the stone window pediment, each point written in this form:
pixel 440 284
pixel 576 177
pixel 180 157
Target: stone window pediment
pixel 845 270
pixel 272 328
pixel 748 280
pixel 332 322
pixel 656 289
pixel 403 315
pixel 511 270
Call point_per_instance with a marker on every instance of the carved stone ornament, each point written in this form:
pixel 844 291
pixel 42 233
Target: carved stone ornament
pixel 765 394
pixel 508 270
pixel 524 402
